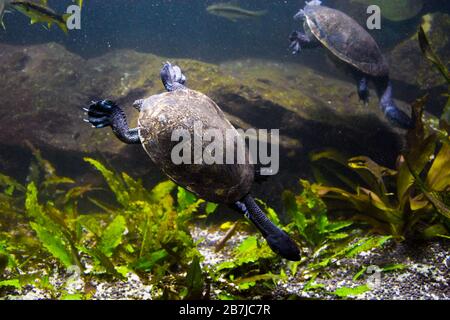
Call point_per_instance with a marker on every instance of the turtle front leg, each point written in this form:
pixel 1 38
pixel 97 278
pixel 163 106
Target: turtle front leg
pixel 363 90
pixel 106 113
pixel 299 41
pixel 172 77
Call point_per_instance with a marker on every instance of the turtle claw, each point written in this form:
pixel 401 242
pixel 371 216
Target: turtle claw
pixel 99 113
pixel 298 39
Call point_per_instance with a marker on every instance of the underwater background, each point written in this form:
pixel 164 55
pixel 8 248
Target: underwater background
pixel 246 66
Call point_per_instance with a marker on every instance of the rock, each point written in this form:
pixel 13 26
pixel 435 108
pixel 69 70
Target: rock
pixel 407 62
pixel 44 88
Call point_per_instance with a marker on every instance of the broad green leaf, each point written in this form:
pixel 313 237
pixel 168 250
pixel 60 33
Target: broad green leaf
pixel 72 297
pixel 345 292
pixel 394 267
pixel 416 160
pixel 91 223
pixel 34 209
pixel 435 231
pixel 366 245
pixel 293 211
pixel 147 262
pixel 112 236
pixel 54 244
pixel 161 190
pixel 336 226
pixel 438 178
pixel 211 207
pixel 185 198
pixel 195 280
pixel 11 283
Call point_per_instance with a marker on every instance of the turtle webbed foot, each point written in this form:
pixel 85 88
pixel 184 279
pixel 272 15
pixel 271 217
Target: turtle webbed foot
pixel 300 40
pixel 99 113
pixel 295 39
pixel 398 118
pixel 283 245
pixel 172 77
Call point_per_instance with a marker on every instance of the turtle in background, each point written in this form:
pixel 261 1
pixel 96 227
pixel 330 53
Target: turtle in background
pixel 353 48
pixel 181 108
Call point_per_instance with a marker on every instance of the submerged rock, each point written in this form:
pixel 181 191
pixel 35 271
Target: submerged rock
pixel 406 59
pixel 44 88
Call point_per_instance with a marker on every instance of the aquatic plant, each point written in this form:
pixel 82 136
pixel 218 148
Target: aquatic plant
pixel 398 211
pixel 147 234
pixel 397 201
pixel 255 268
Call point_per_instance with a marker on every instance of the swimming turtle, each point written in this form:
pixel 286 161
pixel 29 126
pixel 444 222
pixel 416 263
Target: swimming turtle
pixel 354 48
pixel 180 110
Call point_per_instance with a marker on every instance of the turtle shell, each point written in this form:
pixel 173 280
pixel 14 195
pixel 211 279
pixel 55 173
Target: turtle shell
pixel 187 110
pixel 346 39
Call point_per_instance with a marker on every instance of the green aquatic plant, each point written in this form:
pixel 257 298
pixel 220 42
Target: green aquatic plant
pixel 325 241
pixel 145 232
pixel 398 202
pixel 254 268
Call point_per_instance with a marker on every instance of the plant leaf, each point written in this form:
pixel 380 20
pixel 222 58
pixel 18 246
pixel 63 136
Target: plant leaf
pixel 112 236
pixel 54 244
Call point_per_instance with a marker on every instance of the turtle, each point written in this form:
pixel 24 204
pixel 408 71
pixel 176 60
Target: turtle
pixel 350 46
pixel 181 109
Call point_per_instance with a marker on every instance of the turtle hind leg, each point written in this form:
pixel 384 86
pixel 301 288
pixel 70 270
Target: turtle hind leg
pixel 172 77
pixel 278 240
pixel 391 111
pixel 106 113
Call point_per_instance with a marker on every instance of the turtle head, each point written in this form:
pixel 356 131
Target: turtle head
pixel 313 3
pixel 172 77
pixel 300 15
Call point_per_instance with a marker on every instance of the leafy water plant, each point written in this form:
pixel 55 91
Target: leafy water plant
pixel 254 268
pixel 396 202
pixel 147 234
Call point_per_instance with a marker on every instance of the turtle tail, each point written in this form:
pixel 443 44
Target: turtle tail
pixel 278 240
